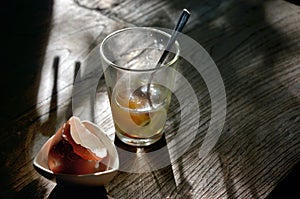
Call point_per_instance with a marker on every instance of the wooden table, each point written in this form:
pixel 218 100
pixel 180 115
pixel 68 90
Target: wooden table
pixel 255 45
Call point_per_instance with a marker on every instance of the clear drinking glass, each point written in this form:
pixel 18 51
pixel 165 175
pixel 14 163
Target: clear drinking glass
pixel 138 89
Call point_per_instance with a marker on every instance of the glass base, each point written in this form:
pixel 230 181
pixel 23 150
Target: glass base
pixel 138 141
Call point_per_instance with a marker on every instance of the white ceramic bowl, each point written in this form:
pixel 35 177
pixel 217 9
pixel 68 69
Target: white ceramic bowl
pixel 40 163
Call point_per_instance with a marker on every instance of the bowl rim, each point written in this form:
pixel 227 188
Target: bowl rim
pixel 38 166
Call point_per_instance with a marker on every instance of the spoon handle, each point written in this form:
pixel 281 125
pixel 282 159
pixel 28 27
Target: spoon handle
pixel 178 28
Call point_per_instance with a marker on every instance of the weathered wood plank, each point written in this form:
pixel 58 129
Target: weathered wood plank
pixel 256 48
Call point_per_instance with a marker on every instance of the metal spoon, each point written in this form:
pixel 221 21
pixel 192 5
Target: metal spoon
pixel 140 93
pixel 178 28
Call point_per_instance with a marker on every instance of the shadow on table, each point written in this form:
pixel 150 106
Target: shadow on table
pixel 143 166
pixel 25 29
pixel 231 22
pixel 294 2
pixel 262 110
pixel 288 186
pixel 247 49
pixel 71 191
pixel 49 126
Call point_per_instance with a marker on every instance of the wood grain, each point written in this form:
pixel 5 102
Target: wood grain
pixel 255 46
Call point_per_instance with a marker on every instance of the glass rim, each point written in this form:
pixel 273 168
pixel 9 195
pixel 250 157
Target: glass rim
pixel 175 58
